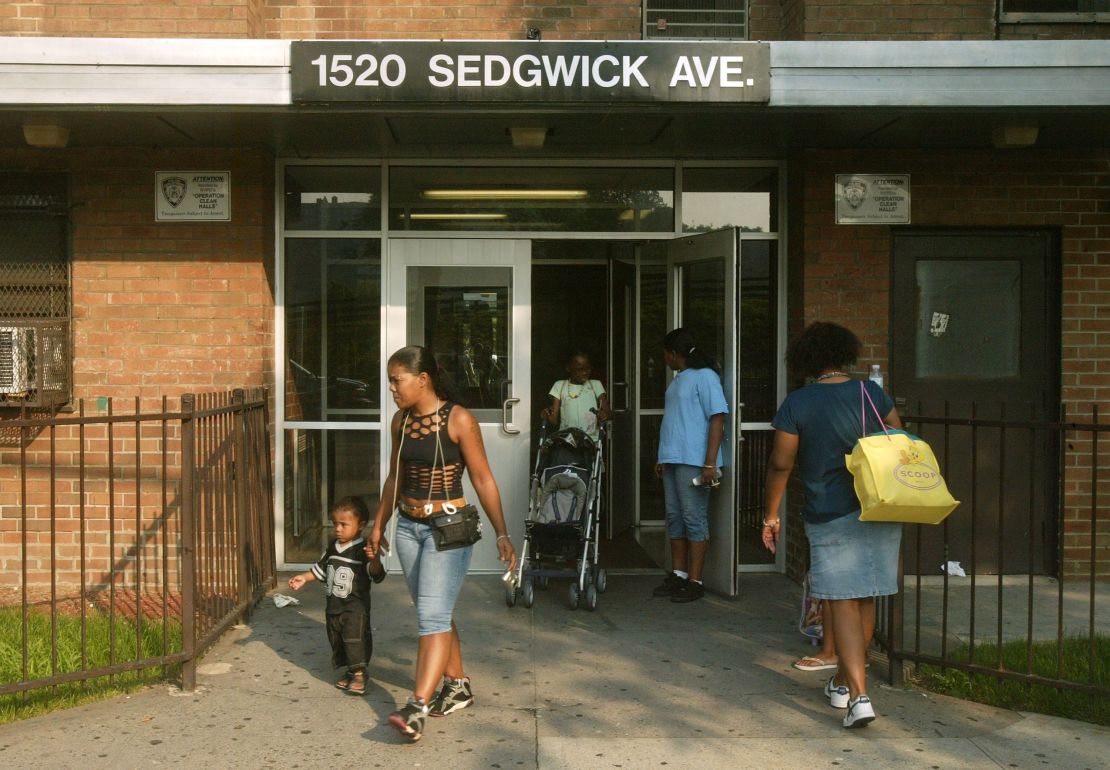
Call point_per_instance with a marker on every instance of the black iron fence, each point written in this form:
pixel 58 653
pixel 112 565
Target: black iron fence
pixel 140 537
pixel 1015 585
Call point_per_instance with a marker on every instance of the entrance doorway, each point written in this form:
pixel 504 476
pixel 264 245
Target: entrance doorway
pixel 469 300
pixel 615 300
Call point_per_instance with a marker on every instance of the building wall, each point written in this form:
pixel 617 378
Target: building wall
pixel 159 309
pixel 511 19
pixel 841 273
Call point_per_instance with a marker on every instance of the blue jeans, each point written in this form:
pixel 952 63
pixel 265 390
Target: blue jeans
pixel 687 506
pixel 434 577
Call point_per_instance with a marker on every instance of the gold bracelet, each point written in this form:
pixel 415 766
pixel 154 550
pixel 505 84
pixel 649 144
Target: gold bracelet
pixel 771 524
pixel 501 536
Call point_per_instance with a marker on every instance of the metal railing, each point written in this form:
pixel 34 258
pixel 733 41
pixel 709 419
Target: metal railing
pixel 154 523
pixel 1034 568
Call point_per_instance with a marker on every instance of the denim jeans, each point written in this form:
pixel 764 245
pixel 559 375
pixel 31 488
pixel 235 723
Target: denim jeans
pixel 687 506
pixel 434 578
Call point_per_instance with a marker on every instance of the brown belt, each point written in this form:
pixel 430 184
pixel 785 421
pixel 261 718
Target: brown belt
pixel 421 512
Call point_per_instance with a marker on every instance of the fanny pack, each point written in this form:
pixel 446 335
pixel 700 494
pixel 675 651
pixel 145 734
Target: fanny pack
pixel 456 527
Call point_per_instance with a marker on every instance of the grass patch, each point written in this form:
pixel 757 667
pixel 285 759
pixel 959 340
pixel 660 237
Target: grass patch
pixel 97 653
pixel 1030 697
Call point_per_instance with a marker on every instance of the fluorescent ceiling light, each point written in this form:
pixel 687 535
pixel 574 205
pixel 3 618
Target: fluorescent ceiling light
pixel 507 195
pixel 459 215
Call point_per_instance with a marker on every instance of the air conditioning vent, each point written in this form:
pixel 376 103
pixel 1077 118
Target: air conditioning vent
pixel 17 360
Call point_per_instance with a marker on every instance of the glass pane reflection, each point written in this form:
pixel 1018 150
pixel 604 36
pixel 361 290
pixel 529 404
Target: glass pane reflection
pixel 713 198
pixel 562 199
pixel 321 467
pixel 968 318
pixel 332 321
pixel 332 198
pixel 463 314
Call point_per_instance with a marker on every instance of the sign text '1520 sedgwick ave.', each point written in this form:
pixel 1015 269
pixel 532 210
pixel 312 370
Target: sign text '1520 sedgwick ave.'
pixel 528 71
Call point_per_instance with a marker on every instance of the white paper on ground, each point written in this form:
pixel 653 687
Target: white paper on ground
pixel 281 600
pixel 953 568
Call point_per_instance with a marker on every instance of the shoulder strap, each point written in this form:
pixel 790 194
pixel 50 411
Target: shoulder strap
pixel 863 413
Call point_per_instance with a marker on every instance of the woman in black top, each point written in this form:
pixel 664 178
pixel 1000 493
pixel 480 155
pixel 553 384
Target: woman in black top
pixel 428 461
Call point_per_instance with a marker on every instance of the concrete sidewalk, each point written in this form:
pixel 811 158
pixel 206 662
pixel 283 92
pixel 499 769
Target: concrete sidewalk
pixel 639 683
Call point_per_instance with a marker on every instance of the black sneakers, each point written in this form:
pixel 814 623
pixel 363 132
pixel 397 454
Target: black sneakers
pixel 690 591
pixel 409 719
pixel 670 585
pixel 454 695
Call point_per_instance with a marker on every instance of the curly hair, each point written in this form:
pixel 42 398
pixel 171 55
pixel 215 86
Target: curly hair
pixel 822 345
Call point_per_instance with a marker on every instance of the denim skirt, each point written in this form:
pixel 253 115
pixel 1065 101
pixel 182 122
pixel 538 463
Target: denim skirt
pixel 853 559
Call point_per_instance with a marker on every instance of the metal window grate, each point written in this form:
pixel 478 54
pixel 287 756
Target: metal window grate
pixel 696 19
pixel 34 291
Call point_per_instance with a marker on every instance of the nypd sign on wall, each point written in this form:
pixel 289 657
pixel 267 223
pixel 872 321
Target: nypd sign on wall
pixel 192 196
pixel 530 71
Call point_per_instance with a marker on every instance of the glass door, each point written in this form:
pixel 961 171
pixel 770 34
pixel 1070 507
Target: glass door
pixel 470 302
pixel 621 508
pixel 701 296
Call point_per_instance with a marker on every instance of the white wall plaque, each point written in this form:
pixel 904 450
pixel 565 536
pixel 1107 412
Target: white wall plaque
pixel 192 196
pixel 872 199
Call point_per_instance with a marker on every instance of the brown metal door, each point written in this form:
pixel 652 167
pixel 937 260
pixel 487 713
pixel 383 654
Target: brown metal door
pixel 974 326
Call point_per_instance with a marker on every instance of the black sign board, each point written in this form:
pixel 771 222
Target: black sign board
pixel 530 71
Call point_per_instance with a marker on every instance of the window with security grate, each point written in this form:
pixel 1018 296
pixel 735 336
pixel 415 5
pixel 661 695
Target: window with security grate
pixel 695 19
pixel 35 360
pixel 1065 11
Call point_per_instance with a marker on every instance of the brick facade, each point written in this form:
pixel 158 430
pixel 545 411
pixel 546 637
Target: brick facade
pixel 841 273
pixel 511 19
pixel 159 309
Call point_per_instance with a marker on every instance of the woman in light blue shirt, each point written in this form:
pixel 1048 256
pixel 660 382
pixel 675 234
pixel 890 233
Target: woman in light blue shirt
pixel 689 460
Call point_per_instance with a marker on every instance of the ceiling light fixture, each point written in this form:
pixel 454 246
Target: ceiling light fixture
pixel 504 195
pixel 454 215
pixel 528 137
pixel 48 135
pixel 1014 137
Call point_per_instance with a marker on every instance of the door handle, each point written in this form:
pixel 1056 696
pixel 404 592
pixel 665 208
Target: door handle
pixel 506 405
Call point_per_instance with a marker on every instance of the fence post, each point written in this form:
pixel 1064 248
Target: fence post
pixel 242 534
pixel 188 544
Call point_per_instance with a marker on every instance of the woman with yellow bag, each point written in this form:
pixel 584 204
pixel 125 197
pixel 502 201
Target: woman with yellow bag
pixel 851 561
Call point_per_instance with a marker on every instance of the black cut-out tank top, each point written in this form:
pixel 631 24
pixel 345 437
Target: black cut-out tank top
pixel 425 476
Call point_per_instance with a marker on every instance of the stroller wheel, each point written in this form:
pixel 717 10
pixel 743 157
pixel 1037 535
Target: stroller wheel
pixel 601 580
pixel 510 596
pixel 573 595
pixel 528 593
pixel 543 583
pixel 591 597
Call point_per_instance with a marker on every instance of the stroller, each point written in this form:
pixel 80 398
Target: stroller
pixel 561 532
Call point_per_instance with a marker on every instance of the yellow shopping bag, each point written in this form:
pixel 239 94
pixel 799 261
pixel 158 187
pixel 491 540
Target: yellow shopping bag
pixel 897 478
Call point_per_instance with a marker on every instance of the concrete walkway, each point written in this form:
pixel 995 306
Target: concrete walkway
pixel 640 683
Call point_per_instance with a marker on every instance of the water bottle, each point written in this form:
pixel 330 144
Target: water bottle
pixel 876 375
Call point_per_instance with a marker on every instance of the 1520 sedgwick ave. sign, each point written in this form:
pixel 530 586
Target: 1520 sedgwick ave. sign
pixel 529 71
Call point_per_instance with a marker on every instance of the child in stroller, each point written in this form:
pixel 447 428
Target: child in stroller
pixel 561 531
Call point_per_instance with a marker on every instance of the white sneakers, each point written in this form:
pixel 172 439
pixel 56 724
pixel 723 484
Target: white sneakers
pixel 836 693
pixel 860 711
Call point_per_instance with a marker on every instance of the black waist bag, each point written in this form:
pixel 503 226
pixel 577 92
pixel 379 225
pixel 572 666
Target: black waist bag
pixel 456 527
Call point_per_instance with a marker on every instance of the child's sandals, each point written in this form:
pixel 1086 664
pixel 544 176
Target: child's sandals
pixel 357 684
pixel 344 682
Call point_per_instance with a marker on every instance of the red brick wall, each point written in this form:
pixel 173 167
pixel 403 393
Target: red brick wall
pixel 158 309
pixel 843 271
pixel 454 19
pixel 130 18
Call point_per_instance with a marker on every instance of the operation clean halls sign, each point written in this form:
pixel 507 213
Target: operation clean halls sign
pixel 530 71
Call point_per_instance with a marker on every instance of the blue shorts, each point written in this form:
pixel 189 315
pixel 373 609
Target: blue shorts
pixel 434 577
pixel 853 559
pixel 687 506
